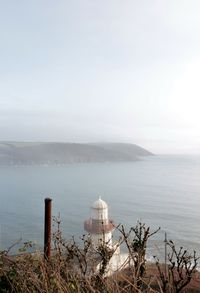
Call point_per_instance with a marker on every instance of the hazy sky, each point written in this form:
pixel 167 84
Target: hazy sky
pixel 101 70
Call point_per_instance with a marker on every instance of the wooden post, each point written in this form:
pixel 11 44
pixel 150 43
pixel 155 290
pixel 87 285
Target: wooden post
pixel 165 255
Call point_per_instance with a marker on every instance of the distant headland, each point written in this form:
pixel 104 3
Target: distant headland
pixel 57 153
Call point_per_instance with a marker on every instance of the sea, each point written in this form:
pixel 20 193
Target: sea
pixel 160 191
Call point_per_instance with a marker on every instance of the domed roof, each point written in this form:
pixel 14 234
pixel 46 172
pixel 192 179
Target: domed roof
pixel 99 204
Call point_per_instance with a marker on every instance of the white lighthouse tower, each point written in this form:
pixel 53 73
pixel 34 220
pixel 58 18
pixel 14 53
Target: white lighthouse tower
pixel 99 225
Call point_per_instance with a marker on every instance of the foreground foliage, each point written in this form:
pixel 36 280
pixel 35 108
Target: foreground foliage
pixel 72 267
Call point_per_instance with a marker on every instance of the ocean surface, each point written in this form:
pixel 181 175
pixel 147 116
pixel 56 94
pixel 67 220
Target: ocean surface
pixel 161 191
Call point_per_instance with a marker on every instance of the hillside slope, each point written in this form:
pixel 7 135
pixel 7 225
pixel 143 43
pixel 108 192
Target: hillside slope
pixel 12 153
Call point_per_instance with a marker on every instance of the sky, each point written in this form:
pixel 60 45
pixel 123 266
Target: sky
pixel 101 71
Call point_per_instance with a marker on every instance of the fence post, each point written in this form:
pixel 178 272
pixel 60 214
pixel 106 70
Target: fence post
pixel 165 254
pixel 47 228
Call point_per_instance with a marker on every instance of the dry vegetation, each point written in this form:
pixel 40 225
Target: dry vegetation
pixel 72 268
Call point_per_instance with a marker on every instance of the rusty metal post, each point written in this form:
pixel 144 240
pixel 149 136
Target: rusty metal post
pixel 47 228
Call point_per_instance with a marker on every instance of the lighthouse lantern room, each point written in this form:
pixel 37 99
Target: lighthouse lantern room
pixel 99 225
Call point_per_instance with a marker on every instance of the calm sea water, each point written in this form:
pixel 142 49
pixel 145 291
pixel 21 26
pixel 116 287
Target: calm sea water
pixel 160 191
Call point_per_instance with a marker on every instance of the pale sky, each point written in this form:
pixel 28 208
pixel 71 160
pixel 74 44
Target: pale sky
pixel 108 70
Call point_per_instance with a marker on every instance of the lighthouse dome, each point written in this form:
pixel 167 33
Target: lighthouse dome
pixel 100 204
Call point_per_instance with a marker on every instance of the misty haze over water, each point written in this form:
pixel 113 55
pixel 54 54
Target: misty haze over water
pixel 159 190
pixel 101 70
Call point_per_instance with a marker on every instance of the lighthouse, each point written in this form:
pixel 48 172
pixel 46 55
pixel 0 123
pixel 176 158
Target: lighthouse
pixel 99 225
